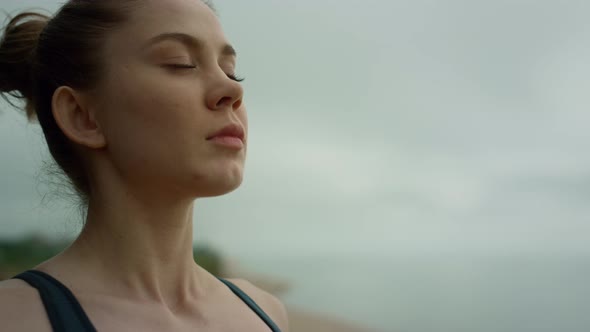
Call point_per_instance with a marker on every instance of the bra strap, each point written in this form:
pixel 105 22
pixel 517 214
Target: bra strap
pixel 248 300
pixel 63 309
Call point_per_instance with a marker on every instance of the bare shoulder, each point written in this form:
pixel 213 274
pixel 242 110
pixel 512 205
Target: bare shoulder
pixel 21 308
pixel 268 302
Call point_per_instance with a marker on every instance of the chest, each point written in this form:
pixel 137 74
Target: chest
pixel 226 316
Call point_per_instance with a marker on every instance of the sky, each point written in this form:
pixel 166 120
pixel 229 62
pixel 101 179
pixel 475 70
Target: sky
pixel 382 127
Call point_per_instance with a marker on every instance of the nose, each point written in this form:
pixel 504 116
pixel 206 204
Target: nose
pixel 225 94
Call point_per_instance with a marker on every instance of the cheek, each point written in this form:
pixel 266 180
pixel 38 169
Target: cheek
pixel 151 120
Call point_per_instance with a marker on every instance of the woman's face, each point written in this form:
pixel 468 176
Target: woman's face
pixel 169 87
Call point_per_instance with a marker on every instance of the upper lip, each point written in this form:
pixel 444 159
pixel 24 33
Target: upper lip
pixel 233 130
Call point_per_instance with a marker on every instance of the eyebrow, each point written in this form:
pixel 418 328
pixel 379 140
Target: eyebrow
pixel 187 40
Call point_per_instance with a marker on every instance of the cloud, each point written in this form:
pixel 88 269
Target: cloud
pixel 383 125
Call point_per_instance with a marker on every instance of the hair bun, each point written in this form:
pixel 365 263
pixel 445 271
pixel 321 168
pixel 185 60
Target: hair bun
pixel 17 51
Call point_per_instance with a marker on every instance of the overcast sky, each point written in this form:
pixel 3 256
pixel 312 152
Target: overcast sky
pixel 390 126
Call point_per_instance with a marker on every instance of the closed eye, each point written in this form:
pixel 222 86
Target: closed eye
pixel 189 66
pixel 181 66
pixel 235 78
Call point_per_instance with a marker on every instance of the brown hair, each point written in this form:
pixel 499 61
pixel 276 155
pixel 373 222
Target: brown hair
pixel 39 53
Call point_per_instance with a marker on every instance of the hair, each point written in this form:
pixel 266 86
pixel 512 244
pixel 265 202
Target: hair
pixel 39 53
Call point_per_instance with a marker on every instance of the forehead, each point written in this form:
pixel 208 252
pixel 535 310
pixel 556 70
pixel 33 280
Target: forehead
pixel 154 17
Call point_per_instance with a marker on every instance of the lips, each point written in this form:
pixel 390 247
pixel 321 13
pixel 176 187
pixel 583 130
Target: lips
pixel 231 130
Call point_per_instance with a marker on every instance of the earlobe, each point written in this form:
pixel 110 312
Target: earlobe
pixel 75 119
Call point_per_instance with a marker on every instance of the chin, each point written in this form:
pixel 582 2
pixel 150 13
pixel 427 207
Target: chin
pixel 218 186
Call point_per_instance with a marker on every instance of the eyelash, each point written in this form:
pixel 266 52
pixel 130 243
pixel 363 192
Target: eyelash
pixel 183 66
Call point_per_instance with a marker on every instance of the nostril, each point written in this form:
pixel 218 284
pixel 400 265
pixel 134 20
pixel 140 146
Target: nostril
pixel 224 101
pixel 229 102
pixel 237 104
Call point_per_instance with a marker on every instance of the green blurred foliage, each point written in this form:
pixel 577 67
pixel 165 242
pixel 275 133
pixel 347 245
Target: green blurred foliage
pixel 208 259
pixel 19 255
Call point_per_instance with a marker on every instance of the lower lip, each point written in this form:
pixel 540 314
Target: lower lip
pixel 228 141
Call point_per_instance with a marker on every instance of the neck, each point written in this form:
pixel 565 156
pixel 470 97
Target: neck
pixel 138 247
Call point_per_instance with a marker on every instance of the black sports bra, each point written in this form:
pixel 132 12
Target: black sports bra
pixel 66 314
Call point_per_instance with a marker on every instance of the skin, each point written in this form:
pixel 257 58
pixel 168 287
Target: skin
pixel 143 135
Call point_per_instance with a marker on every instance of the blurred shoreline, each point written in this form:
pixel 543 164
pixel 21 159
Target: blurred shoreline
pixel 300 319
pixel 303 321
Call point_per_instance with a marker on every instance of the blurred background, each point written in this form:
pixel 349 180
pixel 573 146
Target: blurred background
pixel 412 165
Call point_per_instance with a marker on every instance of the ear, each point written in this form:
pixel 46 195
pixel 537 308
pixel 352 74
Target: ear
pixel 75 119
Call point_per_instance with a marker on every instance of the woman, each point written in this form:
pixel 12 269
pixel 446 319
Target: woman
pixel 141 108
